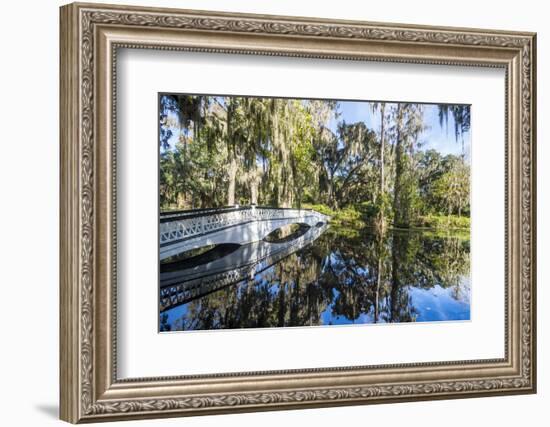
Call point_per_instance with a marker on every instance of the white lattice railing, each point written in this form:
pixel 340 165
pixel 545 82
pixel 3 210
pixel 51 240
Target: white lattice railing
pixel 178 226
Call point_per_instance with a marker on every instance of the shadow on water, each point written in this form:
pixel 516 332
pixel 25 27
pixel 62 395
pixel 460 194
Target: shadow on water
pixel 198 256
pixel 342 278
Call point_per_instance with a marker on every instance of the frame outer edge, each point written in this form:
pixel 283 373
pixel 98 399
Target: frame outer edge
pixel 77 226
pixel 69 354
pixel 533 219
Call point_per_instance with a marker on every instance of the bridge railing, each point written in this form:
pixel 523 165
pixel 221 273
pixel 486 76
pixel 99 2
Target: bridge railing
pixel 172 215
pixel 168 216
pixel 177 226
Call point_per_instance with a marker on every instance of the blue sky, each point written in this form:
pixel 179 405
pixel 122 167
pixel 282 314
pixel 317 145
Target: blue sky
pixel 435 136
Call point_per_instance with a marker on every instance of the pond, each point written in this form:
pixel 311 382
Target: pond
pixel 332 277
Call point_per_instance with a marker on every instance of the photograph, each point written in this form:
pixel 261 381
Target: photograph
pixel 282 212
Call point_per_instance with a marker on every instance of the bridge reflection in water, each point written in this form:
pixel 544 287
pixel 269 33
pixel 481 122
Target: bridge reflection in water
pixel 244 231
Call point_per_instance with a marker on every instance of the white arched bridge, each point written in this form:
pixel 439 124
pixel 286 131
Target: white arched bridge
pixel 186 230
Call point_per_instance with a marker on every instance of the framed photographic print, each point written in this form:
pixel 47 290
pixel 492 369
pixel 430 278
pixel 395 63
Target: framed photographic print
pixel 266 212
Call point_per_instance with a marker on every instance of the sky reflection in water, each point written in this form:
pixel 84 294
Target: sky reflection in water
pixel 340 279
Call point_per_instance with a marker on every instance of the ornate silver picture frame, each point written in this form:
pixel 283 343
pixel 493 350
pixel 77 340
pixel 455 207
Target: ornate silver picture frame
pixel 91 37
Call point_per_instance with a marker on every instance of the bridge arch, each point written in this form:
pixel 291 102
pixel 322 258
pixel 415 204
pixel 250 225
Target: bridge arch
pixel 180 232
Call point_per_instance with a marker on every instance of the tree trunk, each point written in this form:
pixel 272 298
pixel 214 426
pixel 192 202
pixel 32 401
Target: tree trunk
pixel 232 172
pixel 394 292
pixel 398 215
pixel 254 186
pixel 287 196
pixel 378 282
pixel 382 113
pixel 180 201
pixel 332 201
pixel 381 223
pixel 330 191
pixel 254 193
pixel 232 181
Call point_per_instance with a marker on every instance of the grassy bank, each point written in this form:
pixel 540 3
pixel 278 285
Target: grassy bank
pixel 443 222
pixel 357 218
pixel 346 217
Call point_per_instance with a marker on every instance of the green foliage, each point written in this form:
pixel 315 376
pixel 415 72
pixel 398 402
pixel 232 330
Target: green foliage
pixel 347 218
pixel 324 209
pixel 298 153
pixel 350 217
pixel 451 190
pixel 372 211
pixel 443 222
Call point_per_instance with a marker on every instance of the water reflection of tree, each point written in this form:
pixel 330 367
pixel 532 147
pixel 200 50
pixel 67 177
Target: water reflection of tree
pixel 338 278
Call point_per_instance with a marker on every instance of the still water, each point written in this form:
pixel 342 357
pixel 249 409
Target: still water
pixel 337 278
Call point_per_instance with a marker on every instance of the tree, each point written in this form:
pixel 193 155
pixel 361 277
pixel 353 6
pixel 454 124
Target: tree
pixel 381 107
pixel 452 188
pixel 355 165
pixel 322 113
pixel 407 126
pixel 382 201
pixel 346 159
